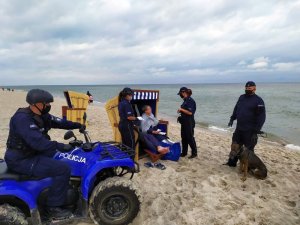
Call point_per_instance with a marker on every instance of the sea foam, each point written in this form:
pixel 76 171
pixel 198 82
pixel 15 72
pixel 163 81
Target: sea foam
pixel 293 147
pixel 218 128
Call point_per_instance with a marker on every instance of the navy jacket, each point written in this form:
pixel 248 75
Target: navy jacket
pixel 125 110
pixel 250 113
pixel 190 105
pixel 28 135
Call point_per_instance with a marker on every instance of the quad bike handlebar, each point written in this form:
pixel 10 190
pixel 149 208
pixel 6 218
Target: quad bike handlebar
pixel 87 146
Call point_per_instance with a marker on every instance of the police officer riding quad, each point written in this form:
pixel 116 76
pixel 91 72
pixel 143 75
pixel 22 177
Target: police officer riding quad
pixel 46 182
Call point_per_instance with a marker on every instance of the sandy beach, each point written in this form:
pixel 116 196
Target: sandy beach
pixel 199 191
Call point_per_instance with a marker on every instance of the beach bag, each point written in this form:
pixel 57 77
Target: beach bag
pixel 175 151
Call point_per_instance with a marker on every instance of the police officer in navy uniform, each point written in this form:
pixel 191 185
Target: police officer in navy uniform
pixel 250 114
pixel 30 150
pixel 127 118
pixel 187 121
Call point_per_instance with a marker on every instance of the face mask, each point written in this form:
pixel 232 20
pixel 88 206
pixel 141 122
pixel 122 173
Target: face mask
pixel 248 92
pixel 46 109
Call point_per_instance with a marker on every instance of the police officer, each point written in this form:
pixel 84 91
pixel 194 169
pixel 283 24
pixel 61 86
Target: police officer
pixel 127 118
pixel 187 121
pixel 250 114
pixel 30 150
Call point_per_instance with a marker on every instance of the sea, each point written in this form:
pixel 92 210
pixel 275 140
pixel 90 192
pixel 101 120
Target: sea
pixel 215 103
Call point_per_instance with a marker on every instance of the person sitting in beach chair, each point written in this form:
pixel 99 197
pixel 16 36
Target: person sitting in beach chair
pixel 149 124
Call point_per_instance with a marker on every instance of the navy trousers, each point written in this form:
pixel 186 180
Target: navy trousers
pixel 43 166
pixel 127 133
pixel 246 138
pixel 151 142
pixel 187 136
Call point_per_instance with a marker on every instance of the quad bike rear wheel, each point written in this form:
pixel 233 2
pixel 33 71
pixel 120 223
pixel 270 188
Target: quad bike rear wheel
pixel 114 201
pixel 10 215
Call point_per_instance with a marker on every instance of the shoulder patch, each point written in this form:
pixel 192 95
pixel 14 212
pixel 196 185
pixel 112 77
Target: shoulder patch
pixel 33 126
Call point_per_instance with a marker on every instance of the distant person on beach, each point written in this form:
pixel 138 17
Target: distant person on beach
pixel 91 99
pixel 149 124
pixel 250 114
pixel 30 150
pixel 127 118
pixel 187 121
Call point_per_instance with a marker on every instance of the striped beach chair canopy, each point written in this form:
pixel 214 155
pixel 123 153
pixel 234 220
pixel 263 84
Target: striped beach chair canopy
pixel 146 95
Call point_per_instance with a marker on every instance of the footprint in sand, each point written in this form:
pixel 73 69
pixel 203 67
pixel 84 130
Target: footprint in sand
pixel 182 169
pixel 263 198
pixel 270 183
pixel 291 203
pixel 273 172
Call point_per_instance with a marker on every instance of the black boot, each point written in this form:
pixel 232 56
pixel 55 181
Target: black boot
pixel 193 156
pixel 183 155
pixel 232 162
pixel 58 213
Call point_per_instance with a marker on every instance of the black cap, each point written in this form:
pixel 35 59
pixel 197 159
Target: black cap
pixel 38 96
pixel 127 91
pixel 250 84
pixel 183 89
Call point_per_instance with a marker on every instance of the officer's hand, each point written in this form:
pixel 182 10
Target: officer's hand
pixel 230 123
pixel 82 128
pixel 67 148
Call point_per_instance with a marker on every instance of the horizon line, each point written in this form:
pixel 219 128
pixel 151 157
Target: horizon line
pixel 264 82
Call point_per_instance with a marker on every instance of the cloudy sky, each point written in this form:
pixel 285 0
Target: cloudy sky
pixel 148 41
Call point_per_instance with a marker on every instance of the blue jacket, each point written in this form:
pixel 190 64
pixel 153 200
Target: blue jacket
pixel 28 135
pixel 250 113
pixel 125 110
pixel 190 105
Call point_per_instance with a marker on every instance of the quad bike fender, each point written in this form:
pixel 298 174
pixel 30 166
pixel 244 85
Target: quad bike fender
pixel 13 189
pixel 89 178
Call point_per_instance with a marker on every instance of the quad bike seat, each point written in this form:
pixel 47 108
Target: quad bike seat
pixel 6 174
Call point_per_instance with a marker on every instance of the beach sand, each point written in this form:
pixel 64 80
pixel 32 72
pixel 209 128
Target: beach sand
pixel 198 191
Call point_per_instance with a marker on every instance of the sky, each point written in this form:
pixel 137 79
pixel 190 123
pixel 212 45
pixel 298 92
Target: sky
pixel 148 41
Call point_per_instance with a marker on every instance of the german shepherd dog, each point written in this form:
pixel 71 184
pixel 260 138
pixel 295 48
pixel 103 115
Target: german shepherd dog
pixel 249 161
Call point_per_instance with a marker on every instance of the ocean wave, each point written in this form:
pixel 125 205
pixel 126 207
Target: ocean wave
pixel 293 147
pixel 218 128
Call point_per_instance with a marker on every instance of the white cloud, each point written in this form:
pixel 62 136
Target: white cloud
pixel 289 66
pixel 259 63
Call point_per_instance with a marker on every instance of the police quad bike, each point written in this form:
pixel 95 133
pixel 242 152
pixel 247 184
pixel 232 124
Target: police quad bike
pixel 97 189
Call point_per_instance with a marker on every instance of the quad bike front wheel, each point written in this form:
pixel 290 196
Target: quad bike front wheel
pixel 10 215
pixel 114 201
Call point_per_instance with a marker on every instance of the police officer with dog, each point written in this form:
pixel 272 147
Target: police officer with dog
pixel 250 114
pixel 30 150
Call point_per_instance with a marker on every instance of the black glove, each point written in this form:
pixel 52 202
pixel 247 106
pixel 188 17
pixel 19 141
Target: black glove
pixel 230 123
pixel 67 148
pixel 82 128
